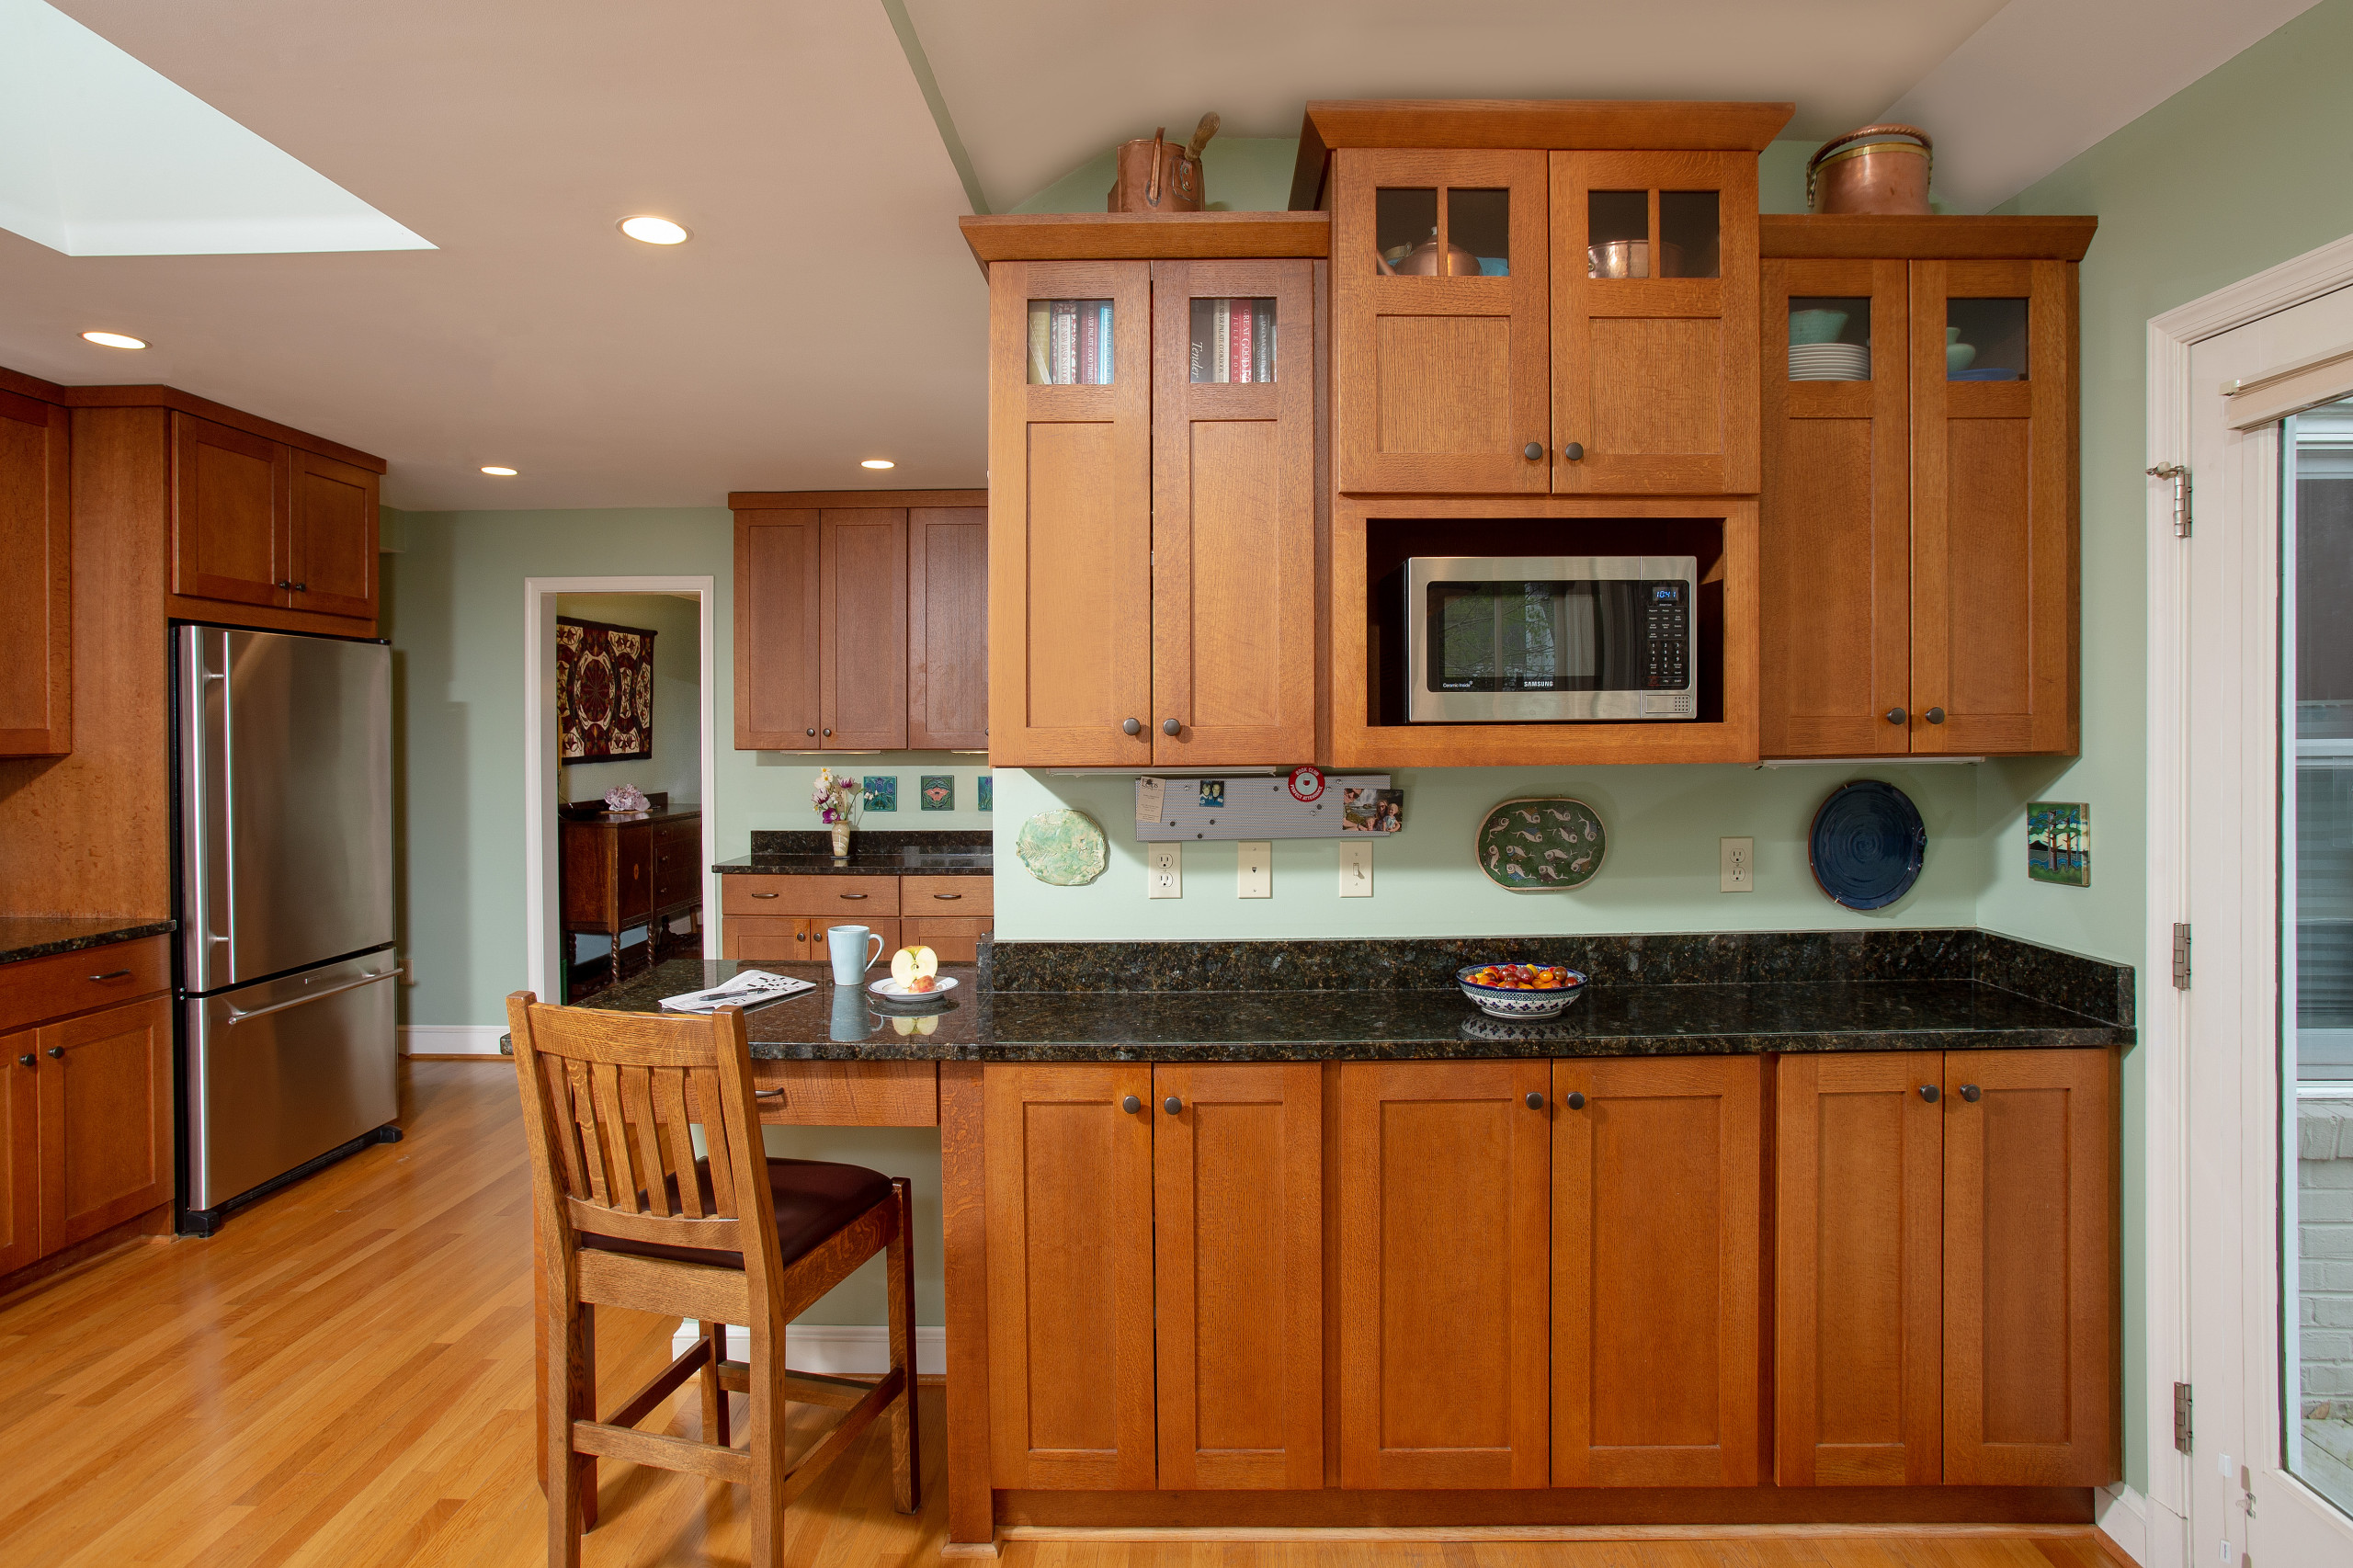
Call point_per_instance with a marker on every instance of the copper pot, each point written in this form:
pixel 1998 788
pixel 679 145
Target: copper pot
pixel 1423 261
pixel 1881 168
pixel 1630 258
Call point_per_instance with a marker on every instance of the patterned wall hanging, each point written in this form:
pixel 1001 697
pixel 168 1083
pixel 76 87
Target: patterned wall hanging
pixel 1548 844
pixel 604 691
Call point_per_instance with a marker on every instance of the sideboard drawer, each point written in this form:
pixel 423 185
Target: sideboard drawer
pixel 960 897
pixel 833 898
pixel 847 1093
pixel 36 989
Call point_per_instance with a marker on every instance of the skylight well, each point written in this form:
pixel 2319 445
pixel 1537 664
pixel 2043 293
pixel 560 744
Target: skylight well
pixel 101 155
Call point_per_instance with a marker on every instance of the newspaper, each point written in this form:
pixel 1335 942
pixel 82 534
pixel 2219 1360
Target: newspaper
pixel 752 988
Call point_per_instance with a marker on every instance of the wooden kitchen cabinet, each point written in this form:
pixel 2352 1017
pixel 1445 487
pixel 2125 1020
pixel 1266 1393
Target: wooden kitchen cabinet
pixel 105 1087
pixel 19 1150
pixel 619 873
pixel 777 662
pixel 1237 1209
pixel 255 521
pixel 332 549
pixel 1657 1236
pixel 948 628
pixel 1859 1172
pixel 1654 322
pixel 1068 1196
pixel 1440 382
pixel 1443 1173
pixel 36 585
pixel 862 621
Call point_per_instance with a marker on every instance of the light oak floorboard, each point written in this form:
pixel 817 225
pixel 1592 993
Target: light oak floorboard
pixel 343 1379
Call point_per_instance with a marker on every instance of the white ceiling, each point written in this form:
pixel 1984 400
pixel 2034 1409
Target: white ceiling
pixel 826 310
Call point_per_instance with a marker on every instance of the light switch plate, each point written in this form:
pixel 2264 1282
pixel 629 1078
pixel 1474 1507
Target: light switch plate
pixel 1737 867
pixel 1163 871
pixel 1254 863
pixel 1356 868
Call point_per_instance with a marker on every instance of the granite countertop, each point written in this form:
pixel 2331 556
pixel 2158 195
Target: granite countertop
pixel 884 852
pixel 1618 1019
pixel 39 936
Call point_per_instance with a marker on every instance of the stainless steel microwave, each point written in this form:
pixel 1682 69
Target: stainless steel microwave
pixel 1539 637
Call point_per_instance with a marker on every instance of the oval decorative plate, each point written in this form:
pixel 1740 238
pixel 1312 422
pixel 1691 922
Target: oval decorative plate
pixel 1546 844
pixel 1868 845
pixel 1063 849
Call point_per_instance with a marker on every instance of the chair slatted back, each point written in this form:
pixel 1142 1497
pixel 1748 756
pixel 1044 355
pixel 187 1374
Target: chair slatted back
pixel 611 1101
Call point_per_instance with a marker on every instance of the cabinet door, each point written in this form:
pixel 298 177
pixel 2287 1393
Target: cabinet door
pixel 1237 1167
pixel 1233 512
pixel 1835 546
pixel 1067 1197
pixel 862 611
pixel 777 707
pixel 231 496
pixel 947 628
pixel 1657 1236
pixel 1655 322
pixel 956 939
pixel 1070 514
pixel 1441 366
pixel 106 1119
pixel 2029 1268
pixel 20 1151
pixel 334 550
pixel 1443 1169
pixel 632 874
pixel 36 582
pixel 1859 1214
pixel 1993 566
pixel 776 938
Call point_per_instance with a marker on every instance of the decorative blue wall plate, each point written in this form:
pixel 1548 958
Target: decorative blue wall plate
pixel 1868 845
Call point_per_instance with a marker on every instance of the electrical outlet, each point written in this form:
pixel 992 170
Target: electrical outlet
pixel 1163 871
pixel 1737 868
pixel 1255 865
pixel 1356 868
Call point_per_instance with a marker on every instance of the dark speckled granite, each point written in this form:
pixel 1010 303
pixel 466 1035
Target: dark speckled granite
pixel 883 853
pixel 38 936
pixel 1366 1024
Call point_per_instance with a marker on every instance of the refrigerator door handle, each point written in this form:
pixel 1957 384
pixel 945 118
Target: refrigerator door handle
pixel 237 1016
pixel 216 801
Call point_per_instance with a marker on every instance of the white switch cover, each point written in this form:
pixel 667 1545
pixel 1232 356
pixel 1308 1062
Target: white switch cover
pixel 1256 862
pixel 1738 868
pixel 1356 868
pixel 1163 871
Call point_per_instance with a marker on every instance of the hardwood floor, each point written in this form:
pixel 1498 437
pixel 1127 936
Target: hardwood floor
pixel 343 1377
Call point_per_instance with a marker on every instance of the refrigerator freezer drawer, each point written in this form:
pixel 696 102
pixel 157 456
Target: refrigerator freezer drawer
pixel 283 1071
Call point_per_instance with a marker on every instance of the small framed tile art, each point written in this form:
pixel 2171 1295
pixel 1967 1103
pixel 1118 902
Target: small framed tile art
pixel 939 792
pixel 984 787
pixel 881 791
pixel 2058 842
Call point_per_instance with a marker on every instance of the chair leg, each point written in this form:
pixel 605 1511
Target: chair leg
pixel 565 1520
pixel 906 1483
pixel 767 1444
pixel 714 1398
pixel 583 1408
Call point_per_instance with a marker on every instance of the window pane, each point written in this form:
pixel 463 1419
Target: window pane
pixel 1232 340
pixel 1830 337
pixel 1986 340
pixel 1689 234
pixel 1070 343
pixel 1480 221
pixel 1404 218
pixel 1618 233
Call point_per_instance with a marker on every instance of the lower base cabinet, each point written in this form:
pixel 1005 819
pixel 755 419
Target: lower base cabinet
pixel 86 1107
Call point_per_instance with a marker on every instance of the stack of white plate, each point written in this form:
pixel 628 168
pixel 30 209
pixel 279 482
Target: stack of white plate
pixel 1830 362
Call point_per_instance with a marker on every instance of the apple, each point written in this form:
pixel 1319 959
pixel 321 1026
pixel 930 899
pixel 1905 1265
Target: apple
pixel 909 965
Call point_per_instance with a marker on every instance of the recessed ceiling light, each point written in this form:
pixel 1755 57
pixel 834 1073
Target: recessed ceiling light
pixel 877 462
pixel 114 340
pixel 654 230
pixel 501 472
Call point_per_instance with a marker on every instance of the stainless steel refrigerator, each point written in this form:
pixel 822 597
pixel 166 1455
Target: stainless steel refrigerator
pixel 283 758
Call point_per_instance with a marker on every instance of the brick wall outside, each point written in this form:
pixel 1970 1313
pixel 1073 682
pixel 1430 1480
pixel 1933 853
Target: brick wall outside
pixel 2324 1221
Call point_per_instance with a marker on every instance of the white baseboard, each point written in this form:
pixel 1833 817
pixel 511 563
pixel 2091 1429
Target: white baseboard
pixel 845 1350
pixel 2142 1527
pixel 450 1040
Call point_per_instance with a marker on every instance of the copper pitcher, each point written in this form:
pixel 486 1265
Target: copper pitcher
pixel 1881 168
pixel 1429 260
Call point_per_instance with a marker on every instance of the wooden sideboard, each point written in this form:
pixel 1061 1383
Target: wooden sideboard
pixel 622 872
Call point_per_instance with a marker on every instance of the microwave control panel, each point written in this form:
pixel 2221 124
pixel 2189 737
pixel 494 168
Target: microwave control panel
pixel 1666 637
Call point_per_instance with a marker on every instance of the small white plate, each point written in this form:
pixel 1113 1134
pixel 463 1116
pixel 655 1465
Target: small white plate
pixel 898 993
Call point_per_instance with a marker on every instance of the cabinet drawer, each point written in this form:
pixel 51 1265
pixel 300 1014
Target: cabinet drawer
pixel 956 940
pixel 946 895
pixel 849 1094
pixel 833 898
pixel 64 984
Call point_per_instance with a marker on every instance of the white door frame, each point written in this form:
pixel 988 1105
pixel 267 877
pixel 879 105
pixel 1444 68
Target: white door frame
pixel 542 937
pixel 2160 1519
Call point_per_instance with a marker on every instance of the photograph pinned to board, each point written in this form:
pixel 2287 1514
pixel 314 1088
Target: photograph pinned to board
pixel 2059 843
pixel 1212 794
pixel 1372 810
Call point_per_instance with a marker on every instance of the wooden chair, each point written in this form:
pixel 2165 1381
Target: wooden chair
pixel 629 1217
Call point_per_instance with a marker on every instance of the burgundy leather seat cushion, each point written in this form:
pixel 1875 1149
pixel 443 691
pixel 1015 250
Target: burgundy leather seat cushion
pixel 814 1199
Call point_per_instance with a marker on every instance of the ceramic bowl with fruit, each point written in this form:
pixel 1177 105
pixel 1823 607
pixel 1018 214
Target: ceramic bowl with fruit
pixel 1520 990
pixel 914 977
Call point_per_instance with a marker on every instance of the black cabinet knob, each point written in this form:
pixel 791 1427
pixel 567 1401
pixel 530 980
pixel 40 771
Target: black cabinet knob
pixel 810 731
pixel 1897 715
pixel 283 583
pixel 1533 452
pixel 1929 1093
pixel 26 1059
pixel 1170 727
pixel 1131 1105
pixel 1575 1100
pixel 1535 1101
pixel 57 1053
pixel 1131 726
pixel 1572 450
pixel 829 734
pixel 1171 1105
pixel 1970 1093
pixel 1933 715
pixel 302 587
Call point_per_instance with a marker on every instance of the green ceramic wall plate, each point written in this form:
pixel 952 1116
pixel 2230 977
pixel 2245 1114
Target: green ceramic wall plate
pixel 1545 844
pixel 1063 849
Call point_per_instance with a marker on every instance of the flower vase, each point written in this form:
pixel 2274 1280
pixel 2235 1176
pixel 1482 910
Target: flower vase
pixel 841 841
